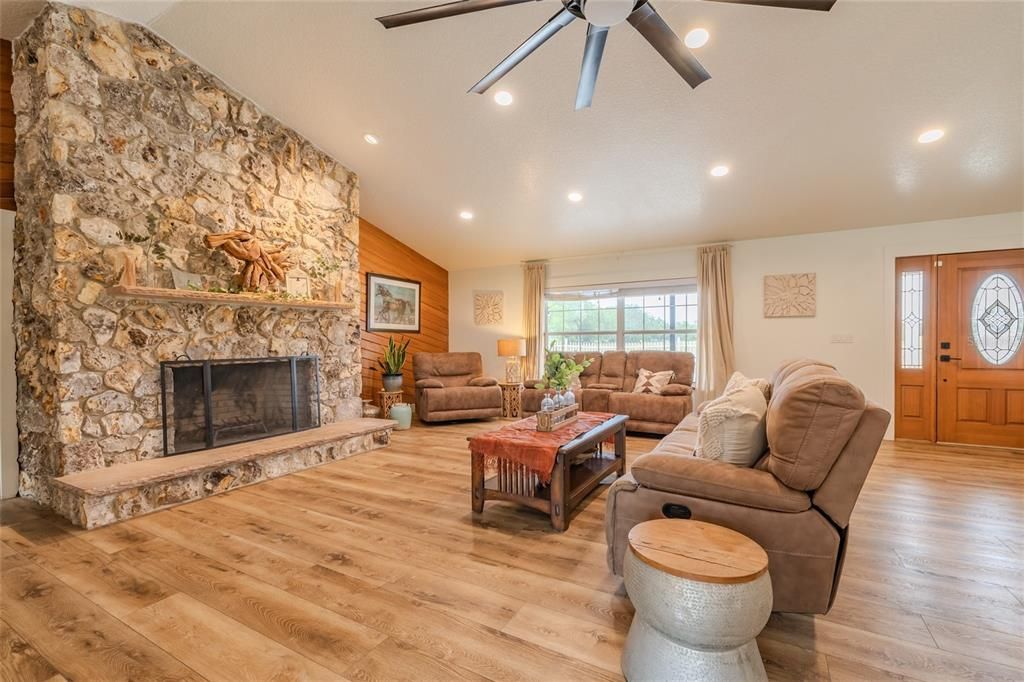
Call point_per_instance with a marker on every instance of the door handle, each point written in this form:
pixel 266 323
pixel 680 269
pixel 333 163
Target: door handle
pixel 947 358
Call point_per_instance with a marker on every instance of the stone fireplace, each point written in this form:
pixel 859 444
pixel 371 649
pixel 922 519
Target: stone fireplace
pixel 128 151
pixel 211 403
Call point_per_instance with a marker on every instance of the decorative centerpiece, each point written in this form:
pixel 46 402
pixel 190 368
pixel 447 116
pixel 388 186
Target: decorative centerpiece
pixel 560 372
pixel 559 406
pixel 556 419
pixel 391 365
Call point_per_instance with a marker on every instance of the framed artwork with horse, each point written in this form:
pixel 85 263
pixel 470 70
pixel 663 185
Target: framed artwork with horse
pixel 392 304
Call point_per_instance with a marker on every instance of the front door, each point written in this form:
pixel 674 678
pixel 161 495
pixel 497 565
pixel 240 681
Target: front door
pixel 959 350
pixel 980 373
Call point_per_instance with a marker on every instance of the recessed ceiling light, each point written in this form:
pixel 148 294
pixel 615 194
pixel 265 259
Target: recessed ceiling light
pixel 503 97
pixel 931 135
pixel 719 171
pixel 575 197
pixel 698 37
pixel 466 215
pixel 371 139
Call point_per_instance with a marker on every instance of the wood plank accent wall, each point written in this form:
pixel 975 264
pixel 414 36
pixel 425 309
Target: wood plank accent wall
pixel 6 129
pixel 381 253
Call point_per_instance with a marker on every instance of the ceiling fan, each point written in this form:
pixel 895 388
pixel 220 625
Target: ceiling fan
pixel 600 15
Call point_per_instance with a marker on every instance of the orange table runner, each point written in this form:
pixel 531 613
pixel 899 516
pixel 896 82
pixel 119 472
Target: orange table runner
pixel 522 443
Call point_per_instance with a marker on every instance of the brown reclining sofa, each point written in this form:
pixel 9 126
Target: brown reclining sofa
pixel 608 387
pixel 795 502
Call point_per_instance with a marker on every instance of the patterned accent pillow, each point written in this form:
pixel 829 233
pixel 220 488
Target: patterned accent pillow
pixel 732 428
pixel 652 382
pixel 738 379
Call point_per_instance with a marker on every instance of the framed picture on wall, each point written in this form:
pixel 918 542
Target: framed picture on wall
pixel 392 304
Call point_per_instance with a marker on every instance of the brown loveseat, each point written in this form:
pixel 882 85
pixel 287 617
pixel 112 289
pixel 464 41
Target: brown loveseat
pixel 452 386
pixel 608 387
pixel 795 502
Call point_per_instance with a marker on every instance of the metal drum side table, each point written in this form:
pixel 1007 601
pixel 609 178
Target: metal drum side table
pixel 702 594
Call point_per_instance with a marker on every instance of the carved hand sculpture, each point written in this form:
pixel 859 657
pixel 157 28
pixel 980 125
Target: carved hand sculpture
pixel 263 265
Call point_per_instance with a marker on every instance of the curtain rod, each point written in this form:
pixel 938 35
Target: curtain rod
pixel 613 254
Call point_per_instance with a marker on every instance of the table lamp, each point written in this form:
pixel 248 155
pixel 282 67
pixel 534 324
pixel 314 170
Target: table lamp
pixel 513 350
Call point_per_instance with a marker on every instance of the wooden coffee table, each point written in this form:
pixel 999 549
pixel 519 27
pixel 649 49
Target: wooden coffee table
pixel 573 477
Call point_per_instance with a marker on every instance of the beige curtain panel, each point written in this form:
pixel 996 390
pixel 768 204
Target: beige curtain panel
pixel 533 317
pixel 715 355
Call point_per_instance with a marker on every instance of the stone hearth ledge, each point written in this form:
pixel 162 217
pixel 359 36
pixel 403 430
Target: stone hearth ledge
pixel 100 497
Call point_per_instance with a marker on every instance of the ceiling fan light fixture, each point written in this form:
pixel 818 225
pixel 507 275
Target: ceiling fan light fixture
pixel 607 12
pixel 929 136
pixel 599 15
pixel 503 98
pixel 697 38
pixel 720 171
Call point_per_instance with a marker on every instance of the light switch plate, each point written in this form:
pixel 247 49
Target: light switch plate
pixel 842 338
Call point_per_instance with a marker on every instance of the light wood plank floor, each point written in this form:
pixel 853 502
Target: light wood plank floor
pixel 374 568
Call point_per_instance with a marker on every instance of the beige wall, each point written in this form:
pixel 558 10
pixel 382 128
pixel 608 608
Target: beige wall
pixel 855 291
pixel 466 336
pixel 8 418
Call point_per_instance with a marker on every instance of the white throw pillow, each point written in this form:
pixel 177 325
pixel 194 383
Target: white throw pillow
pixel 738 379
pixel 652 382
pixel 732 428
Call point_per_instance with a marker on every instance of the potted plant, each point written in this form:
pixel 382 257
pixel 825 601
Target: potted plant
pixel 560 370
pixel 392 363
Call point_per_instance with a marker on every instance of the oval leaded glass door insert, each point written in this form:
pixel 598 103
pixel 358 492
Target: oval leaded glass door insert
pixel 997 318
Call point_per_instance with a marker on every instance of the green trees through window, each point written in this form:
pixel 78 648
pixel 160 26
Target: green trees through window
pixel 661 321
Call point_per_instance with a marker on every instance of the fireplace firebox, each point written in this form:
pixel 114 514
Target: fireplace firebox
pixel 211 403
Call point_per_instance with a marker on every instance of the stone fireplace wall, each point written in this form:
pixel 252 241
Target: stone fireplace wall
pixel 124 146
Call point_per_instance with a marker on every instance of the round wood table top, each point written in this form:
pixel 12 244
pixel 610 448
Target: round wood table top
pixel 698 551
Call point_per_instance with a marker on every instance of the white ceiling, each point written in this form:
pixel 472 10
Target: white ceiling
pixel 16 15
pixel 816 113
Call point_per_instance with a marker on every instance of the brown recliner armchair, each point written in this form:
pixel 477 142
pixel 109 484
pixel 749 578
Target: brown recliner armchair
pixel 452 386
pixel 795 502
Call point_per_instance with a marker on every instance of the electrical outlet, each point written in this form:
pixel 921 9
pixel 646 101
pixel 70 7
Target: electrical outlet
pixel 842 338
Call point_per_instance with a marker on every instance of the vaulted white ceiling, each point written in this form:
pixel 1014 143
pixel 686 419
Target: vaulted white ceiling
pixel 817 115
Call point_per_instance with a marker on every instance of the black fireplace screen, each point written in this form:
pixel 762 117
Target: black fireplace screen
pixel 210 403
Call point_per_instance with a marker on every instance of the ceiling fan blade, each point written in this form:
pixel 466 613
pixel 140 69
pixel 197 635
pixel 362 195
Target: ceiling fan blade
pixel 819 5
pixel 449 9
pixel 553 26
pixel 663 39
pixel 596 38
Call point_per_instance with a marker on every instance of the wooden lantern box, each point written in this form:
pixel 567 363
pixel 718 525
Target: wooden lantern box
pixel 556 419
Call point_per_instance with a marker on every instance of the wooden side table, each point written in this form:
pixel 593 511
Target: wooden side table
pixel 511 400
pixel 387 399
pixel 702 594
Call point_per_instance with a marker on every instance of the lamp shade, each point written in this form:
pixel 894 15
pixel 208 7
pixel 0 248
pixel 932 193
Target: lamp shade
pixel 511 348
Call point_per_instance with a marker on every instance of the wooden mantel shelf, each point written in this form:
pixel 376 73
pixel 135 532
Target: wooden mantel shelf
pixel 185 296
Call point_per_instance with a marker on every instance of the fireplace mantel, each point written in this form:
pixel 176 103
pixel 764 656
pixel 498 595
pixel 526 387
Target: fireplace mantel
pixel 186 296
